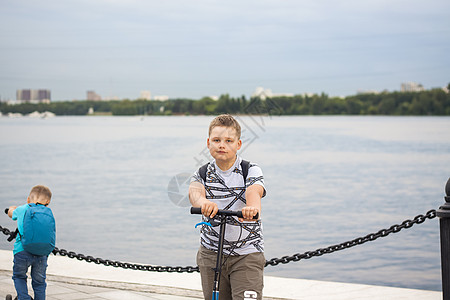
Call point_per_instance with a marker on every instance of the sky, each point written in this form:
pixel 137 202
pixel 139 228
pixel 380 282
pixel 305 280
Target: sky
pixel 198 48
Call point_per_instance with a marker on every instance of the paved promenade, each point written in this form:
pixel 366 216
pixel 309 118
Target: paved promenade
pixel 70 279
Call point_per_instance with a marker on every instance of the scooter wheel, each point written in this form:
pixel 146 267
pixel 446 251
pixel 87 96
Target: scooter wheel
pixel 8 297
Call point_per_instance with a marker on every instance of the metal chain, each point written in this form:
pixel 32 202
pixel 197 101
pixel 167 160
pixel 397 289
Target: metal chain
pixel 5 231
pixel 272 262
pixel 358 241
pixel 124 265
pixel 12 234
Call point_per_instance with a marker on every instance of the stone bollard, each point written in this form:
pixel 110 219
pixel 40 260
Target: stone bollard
pixel 444 221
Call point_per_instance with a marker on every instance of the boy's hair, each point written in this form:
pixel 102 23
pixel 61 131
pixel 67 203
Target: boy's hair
pixel 226 120
pixel 40 192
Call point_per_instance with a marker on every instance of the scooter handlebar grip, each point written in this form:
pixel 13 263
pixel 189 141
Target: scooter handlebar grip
pixel 198 211
pixel 6 210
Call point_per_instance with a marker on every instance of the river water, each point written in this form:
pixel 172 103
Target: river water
pixel 119 188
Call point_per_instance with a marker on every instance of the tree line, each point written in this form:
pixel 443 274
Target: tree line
pixel 434 102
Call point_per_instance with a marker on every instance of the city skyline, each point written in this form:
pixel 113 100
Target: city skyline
pixel 192 50
pixel 44 95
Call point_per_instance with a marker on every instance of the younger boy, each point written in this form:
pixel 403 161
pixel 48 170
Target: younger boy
pixel 22 259
pixel 224 188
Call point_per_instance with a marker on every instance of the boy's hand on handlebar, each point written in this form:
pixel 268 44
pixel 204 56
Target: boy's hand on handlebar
pixel 209 209
pixel 10 211
pixel 248 213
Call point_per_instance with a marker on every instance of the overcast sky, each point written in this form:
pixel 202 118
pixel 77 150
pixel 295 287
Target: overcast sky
pixel 202 48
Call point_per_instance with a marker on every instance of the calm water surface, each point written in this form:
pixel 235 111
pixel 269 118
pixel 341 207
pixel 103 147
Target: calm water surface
pixel 329 180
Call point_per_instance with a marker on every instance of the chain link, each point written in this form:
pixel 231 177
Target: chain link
pixel 12 234
pixel 5 231
pixel 272 262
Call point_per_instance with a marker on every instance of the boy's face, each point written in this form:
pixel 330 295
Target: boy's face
pixel 223 143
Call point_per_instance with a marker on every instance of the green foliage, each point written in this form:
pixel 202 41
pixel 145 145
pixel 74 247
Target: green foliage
pixel 430 102
pixel 125 108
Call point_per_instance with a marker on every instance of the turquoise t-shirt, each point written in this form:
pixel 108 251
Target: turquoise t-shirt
pixel 19 215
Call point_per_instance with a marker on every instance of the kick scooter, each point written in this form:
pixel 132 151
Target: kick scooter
pixel 223 214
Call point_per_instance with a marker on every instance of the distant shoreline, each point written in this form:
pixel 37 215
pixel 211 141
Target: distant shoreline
pixel 435 102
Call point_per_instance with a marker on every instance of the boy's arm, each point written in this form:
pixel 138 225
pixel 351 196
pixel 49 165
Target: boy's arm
pixel 253 196
pixel 197 197
pixel 10 211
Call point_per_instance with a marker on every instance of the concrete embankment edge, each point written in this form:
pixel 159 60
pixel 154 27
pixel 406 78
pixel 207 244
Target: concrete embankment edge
pixel 66 270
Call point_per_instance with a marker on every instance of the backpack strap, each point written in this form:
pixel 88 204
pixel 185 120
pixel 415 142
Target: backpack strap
pixel 202 171
pixel 245 165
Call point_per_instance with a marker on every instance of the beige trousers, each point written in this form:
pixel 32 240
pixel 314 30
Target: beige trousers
pixel 241 277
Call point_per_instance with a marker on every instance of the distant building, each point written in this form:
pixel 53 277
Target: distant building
pixel 23 95
pixel 110 98
pixel 262 93
pixel 33 96
pixel 93 96
pixel 145 95
pixel 412 87
pixel 161 98
pixel 362 92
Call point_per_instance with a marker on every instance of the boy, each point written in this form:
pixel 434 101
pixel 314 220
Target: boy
pixel 22 259
pixel 224 188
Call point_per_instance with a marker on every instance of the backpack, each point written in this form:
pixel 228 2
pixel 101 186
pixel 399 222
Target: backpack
pixel 244 165
pixel 39 230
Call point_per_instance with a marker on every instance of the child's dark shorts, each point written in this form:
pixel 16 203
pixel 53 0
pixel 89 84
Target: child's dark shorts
pixel 241 277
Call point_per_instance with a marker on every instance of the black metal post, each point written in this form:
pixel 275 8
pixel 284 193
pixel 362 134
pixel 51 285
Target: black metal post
pixel 444 220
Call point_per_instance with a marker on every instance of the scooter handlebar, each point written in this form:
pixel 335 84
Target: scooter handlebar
pixel 222 212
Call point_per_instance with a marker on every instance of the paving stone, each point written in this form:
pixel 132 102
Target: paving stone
pixel 124 295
